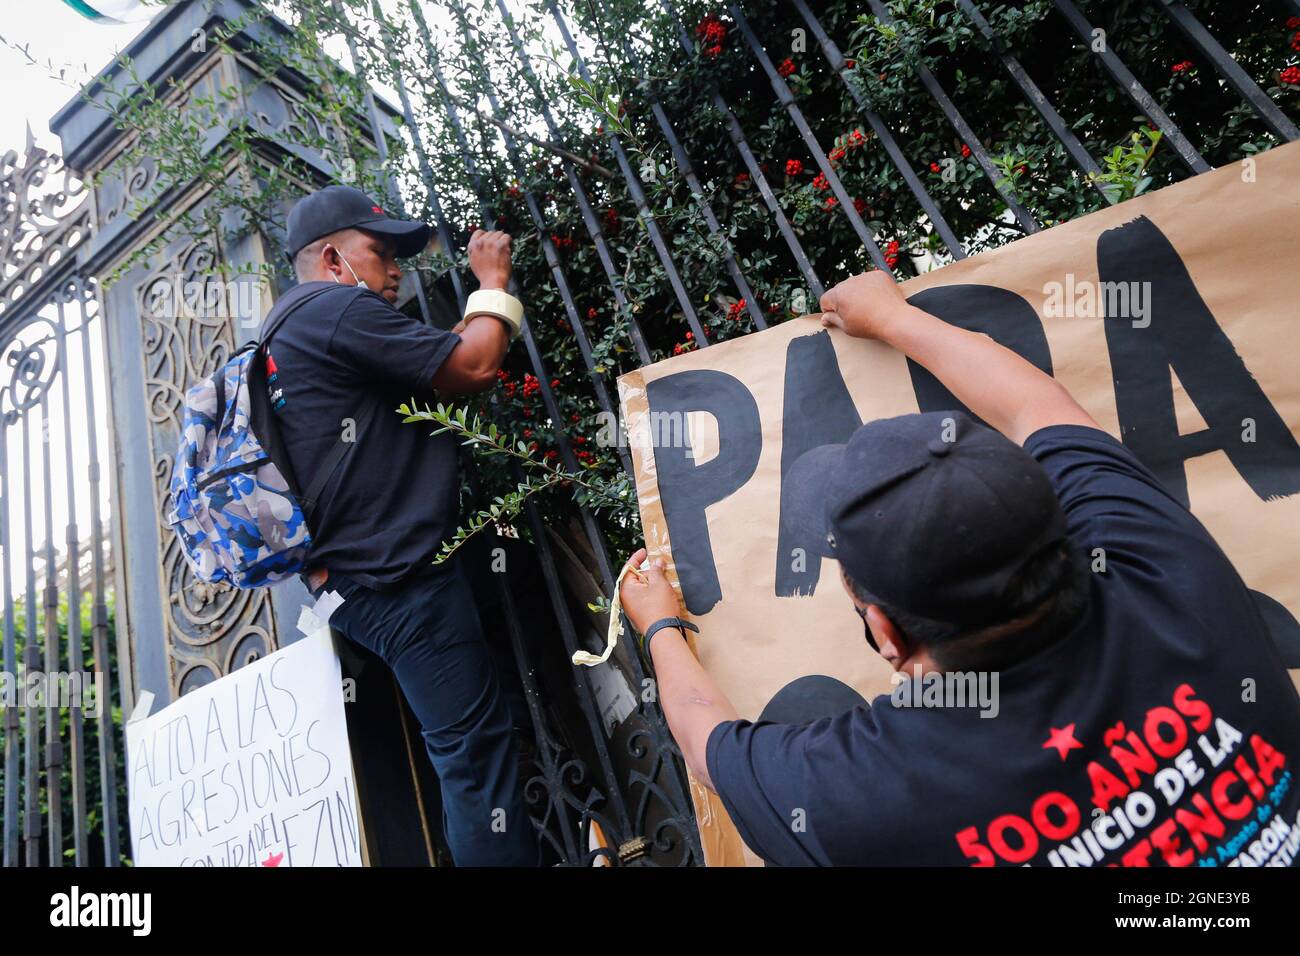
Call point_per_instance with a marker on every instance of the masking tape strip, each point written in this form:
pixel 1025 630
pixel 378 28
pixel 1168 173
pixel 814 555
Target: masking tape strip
pixel 143 705
pixel 615 620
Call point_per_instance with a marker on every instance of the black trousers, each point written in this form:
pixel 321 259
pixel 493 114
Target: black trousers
pixel 428 632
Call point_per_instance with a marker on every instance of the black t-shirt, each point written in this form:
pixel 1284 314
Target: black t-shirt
pixel 393 498
pixel 1162 729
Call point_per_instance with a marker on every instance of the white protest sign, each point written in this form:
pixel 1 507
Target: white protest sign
pixel 252 770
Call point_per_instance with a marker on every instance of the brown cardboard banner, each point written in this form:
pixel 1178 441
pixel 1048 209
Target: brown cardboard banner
pixel 1172 318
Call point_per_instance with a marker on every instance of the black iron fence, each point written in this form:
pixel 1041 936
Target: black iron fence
pixel 61 743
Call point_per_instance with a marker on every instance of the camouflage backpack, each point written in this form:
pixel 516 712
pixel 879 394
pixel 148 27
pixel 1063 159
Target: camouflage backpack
pixel 236 506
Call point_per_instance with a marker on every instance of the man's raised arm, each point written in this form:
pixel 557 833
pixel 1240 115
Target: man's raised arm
pixel 994 382
pixel 472 365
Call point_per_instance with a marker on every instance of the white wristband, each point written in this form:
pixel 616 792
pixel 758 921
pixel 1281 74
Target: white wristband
pixel 494 302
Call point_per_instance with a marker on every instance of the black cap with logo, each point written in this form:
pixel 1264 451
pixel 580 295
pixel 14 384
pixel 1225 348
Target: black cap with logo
pixel 344 207
pixel 932 513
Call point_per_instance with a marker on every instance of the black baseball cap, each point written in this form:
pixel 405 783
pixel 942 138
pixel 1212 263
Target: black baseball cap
pixel 931 513
pixel 345 207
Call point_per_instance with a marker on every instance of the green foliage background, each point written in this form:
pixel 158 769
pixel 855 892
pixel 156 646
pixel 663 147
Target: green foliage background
pixel 94 818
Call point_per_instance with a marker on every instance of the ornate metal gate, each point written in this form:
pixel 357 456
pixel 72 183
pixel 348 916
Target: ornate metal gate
pixel 58 752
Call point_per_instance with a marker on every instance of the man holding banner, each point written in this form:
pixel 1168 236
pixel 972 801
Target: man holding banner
pixel 1144 715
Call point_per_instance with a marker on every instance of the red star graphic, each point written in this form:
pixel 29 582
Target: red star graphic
pixel 1063 740
pixel 273 859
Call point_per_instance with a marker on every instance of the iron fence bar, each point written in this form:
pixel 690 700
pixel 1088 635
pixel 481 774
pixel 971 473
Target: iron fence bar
pixel 629 176
pixel 883 133
pixel 958 122
pixel 553 261
pixel 697 190
pixel 12 724
pixel 99 609
pixel 32 663
pixel 786 98
pixel 653 715
pixel 659 732
pixel 1038 100
pixel 1129 83
pixel 683 163
pixel 381 143
pixel 569 635
pixel 597 728
pixel 549 570
pixel 584 206
pixel 489 222
pixel 1229 69
pixel 593 532
pixel 587 696
pixel 53 659
pixel 552 407
pixel 539 221
pixel 550 767
pixel 639 198
pixel 75 663
pixel 737 136
pixel 426 169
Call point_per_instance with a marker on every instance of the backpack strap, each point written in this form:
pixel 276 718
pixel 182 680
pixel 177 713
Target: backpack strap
pixel 278 320
pixel 331 463
pixel 219 384
pixel 306 499
pixel 262 416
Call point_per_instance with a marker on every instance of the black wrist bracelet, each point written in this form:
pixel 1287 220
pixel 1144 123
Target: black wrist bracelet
pixel 661 623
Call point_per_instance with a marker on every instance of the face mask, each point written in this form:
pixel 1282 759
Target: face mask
pixel 866 629
pixel 361 283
